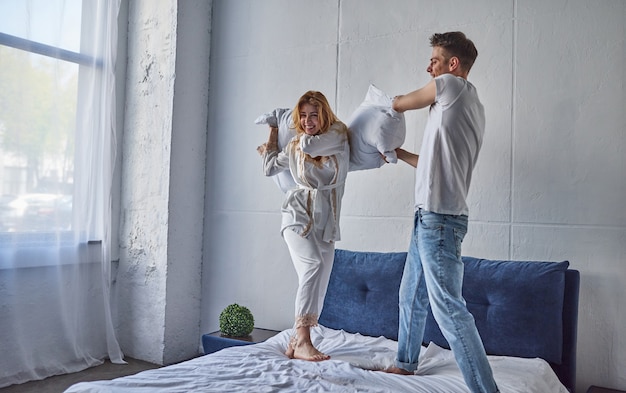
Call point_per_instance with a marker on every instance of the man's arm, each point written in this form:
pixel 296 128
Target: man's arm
pixel 407 157
pixel 417 99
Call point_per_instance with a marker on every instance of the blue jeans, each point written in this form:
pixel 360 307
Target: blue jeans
pixel 434 270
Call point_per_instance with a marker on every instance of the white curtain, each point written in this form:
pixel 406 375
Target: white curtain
pixel 57 151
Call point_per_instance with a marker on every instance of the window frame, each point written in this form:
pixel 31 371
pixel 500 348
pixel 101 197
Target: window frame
pixel 43 238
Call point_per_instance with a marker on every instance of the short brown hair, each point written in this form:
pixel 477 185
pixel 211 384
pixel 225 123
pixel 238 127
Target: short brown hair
pixel 456 44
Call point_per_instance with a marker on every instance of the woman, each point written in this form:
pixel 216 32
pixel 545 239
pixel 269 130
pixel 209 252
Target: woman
pixel 318 157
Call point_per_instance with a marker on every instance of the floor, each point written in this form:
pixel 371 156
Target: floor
pixel 59 383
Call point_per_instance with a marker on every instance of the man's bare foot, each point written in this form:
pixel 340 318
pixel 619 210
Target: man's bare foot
pixel 397 370
pixel 305 351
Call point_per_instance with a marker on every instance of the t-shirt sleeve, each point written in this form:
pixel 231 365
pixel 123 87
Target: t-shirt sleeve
pixel 449 87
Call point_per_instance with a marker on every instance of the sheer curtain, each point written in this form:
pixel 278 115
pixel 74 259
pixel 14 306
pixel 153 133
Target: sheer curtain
pixel 57 151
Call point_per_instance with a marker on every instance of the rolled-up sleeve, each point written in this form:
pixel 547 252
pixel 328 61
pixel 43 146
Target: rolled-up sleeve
pixel 326 144
pixel 274 162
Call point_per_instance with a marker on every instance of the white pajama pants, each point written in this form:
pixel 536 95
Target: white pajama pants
pixel 313 261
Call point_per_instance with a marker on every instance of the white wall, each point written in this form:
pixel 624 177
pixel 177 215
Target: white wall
pixel 550 182
pixel 158 280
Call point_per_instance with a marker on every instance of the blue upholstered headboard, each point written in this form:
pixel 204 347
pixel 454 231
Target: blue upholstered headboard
pixel 521 308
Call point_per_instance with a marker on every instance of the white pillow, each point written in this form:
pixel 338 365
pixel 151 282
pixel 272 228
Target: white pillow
pixel 281 118
pixel 375 129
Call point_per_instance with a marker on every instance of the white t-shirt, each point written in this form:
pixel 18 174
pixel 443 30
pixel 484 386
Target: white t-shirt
pixel 452 140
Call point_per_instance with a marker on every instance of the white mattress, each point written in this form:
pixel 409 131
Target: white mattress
pixel 264 368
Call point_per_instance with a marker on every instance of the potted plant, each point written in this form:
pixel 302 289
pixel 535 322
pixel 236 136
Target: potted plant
pixel 236 321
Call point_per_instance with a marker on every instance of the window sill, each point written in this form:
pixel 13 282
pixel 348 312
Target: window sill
pixel 41 249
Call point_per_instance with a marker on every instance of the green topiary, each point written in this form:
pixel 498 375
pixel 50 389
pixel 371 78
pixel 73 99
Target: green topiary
pixel 236 321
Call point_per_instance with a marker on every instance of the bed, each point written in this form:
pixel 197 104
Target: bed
pixel 526 313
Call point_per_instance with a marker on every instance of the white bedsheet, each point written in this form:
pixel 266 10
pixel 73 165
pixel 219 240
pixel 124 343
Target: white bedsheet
pixel 264 368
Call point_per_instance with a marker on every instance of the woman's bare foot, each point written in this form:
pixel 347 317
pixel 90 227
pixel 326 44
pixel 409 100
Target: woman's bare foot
pixel 305 351
pixel 289 352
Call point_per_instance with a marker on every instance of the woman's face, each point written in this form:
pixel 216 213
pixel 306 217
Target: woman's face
pixel 309 119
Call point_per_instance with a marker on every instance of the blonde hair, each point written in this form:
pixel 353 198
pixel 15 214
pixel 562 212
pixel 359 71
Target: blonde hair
pixel 326 119
pixel 325 114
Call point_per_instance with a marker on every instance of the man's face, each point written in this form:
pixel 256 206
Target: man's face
pixel 438 63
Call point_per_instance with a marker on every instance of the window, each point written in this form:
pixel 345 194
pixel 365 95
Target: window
pixel 39 74
pixel 57 125
pixel 57 148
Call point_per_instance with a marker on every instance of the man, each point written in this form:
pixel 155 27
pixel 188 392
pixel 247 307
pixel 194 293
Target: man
pixel 434 270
